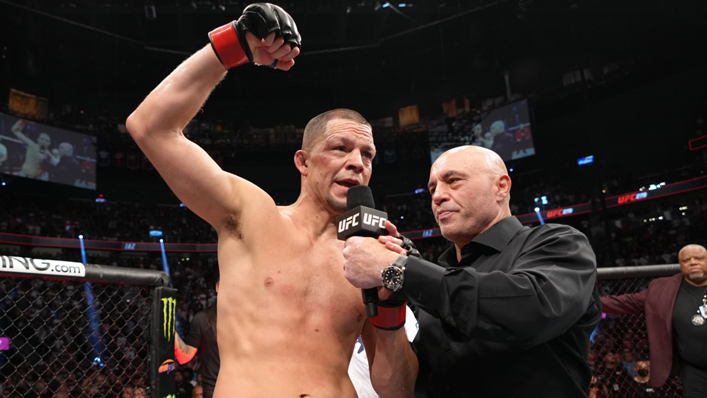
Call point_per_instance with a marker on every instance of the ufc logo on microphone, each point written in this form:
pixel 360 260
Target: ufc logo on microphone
pixel 350 221
pixel 373 220
pixel 361 221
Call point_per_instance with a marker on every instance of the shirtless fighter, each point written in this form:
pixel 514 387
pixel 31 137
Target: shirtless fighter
pixel 288 318
pixel 37 152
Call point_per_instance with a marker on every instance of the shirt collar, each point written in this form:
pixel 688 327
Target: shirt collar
pixel 496 238
pixel 499 235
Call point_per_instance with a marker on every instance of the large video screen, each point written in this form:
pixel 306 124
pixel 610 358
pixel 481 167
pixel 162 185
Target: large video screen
pixel 505 130
pixel 34 150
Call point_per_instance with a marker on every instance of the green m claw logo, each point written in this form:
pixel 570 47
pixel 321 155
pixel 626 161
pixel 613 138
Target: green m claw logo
pixel 169 309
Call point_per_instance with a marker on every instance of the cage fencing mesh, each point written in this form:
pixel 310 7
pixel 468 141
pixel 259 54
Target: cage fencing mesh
pixel 71 339
pixel 618 344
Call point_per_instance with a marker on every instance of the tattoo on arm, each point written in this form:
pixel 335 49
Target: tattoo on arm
pixel 182 345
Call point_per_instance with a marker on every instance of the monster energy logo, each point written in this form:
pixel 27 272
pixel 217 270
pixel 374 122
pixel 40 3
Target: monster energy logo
pixel 170 396
pixel 169 309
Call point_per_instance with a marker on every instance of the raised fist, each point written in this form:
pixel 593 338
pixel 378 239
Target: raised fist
pixel 264 34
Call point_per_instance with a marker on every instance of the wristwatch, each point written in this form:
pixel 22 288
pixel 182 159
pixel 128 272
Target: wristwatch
pixel 394 274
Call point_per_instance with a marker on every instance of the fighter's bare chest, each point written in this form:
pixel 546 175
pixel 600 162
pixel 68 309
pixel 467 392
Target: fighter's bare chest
pixel 315 276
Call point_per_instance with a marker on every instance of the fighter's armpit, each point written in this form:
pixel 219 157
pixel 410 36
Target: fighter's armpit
pixel 232 225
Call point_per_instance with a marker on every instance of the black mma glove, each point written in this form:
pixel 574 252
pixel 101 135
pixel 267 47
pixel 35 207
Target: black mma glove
pixel 261 19
pixel 410 247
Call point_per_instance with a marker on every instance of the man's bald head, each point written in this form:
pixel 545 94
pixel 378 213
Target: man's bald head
pixel 692 246
pixel 476 158
pixel 316 127
pixel 66 149
pixel 497 127
pixel 693 264
pixel 470 192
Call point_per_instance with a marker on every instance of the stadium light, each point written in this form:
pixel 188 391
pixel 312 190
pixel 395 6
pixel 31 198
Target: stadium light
pixel 585 160
pixel 540 216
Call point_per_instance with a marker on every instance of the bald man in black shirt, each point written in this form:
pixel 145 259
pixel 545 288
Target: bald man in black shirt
pixel 507 311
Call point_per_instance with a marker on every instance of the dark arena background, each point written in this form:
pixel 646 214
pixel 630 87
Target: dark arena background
pixel 605 101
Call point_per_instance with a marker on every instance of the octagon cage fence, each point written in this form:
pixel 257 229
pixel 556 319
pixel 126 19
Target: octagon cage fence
pixel 112 329
pixel 84 330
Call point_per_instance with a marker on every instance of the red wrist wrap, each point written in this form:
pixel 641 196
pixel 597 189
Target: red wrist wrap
pixel 227 47
pixel 389 318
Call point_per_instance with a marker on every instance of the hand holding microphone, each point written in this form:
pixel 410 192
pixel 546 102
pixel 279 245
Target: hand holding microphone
pixel 362 219
pixel 372 263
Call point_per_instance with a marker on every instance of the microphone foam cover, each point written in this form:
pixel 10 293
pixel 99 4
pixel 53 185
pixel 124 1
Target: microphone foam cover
pixel 359 195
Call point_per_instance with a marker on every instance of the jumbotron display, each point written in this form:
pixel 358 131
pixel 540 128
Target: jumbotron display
pixel 504 130
pixel 33 150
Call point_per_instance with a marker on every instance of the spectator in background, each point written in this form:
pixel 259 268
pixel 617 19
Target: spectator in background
pixel 63 392
pixel 3 154
pixel 66 168
pixel 487 141
pixel 591 359
pixel 638 385
pixel 477 135
pixel 189 376
pixel 675 308
pixel 197 392
pixel 503 140
pixel 628 362
pixel 597 389
pixel 183 388
pixel 139 392
pixel 40 389
pixel 37 152
pixel 613 375
pixel 127 391
pixel 201 339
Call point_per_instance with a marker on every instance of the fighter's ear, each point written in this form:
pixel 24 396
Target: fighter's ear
pixel 301 161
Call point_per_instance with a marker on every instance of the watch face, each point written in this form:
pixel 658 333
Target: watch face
pixel 393 278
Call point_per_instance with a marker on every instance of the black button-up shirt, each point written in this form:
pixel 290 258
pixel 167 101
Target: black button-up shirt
pixel 511 319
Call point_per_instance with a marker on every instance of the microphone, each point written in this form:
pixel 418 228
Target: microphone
pixel 361 219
